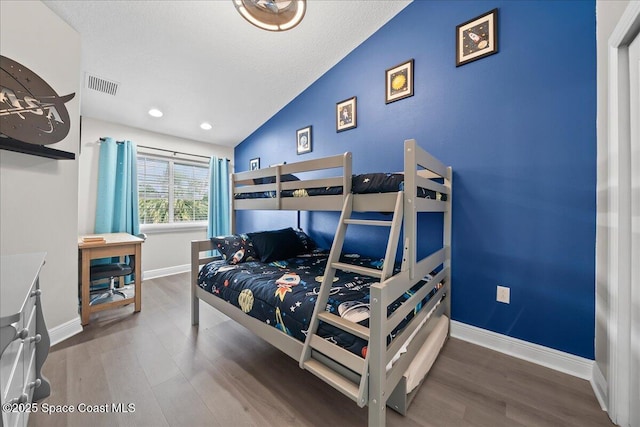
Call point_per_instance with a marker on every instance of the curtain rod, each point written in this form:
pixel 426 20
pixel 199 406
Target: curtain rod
pixel 165 150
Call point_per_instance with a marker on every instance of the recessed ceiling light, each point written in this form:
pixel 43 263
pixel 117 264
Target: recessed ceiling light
pixel 154 112
pixel 206 126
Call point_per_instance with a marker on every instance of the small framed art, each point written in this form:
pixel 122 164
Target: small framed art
pixel 303 140
pixel 346 114
pixel 477 38
pixel 399 82
pixel 254 164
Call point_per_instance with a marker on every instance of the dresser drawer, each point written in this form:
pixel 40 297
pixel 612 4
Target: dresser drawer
pixel 6 364
pixel 24 349
pixel 29 355
pixel 13 381
pixel 25 327
pixel 13 419
pixel 31 337
pixel 12 370
pixel 31 303
pixel 30 380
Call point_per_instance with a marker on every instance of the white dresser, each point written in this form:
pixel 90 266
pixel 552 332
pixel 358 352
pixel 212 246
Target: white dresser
pixel 24 339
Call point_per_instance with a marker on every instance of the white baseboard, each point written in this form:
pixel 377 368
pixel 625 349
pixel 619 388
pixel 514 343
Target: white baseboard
pixel 545 356
pixel 168 271
pixel 64 331
pixel 599 385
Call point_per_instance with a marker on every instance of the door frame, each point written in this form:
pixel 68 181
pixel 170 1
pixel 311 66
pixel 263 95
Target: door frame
pixel 619 200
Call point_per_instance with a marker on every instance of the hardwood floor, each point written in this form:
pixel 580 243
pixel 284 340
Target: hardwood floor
pixel 220 374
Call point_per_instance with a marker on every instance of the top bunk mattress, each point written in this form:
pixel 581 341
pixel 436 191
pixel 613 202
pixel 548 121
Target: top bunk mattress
pixel 367 183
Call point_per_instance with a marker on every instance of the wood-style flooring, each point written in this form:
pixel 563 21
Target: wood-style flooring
pixel 220 374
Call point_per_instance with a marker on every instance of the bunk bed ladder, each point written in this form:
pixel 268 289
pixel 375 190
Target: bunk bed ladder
pixel 335 365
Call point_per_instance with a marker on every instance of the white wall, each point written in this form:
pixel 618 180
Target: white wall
pixel 608 12
pixel 39 196
pixel 163 252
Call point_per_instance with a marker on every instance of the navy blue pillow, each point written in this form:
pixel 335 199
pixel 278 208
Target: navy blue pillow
pixel 276 245
pixel 307 242
pixel 235 249
pixel 272 179
pixel 377 183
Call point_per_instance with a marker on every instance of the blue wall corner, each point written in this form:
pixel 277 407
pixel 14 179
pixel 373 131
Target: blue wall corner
pixel 519 130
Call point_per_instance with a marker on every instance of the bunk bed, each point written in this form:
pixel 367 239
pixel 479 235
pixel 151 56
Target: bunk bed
pixel 409 304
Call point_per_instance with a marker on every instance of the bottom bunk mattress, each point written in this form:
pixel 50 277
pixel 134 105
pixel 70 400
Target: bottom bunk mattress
pixel 283 294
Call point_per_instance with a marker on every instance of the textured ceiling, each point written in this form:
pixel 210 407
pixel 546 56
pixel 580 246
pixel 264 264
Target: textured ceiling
pixel 201 61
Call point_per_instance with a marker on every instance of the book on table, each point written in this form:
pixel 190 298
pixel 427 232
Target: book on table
pixel 93 239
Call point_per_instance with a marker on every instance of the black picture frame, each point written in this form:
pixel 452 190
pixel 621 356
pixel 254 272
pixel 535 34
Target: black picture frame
pixel 303 140
pixel 399 82
pixel 346 114
pixel 254 164
pixel 477 38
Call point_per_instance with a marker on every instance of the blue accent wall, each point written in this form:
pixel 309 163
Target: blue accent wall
pixel 519 130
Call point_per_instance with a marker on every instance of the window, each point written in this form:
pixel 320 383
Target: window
pixel 172 191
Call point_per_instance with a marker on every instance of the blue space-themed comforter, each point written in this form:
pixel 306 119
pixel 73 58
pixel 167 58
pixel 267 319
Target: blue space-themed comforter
pixel 283 293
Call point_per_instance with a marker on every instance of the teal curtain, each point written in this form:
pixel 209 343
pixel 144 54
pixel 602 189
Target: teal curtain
pixel 117 204
pixel 219 206
pixel 117 196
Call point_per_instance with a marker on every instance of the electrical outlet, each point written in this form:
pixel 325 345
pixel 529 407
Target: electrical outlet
pixel 503 294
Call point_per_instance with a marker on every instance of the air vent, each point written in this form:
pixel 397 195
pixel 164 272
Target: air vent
pixel 102 85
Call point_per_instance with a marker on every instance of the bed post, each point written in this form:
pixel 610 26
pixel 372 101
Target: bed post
pixel 446 238
pixel 346 174
pixel 232 214
pixel 195 302
pixel 278 188
pixel 377 352
pixel 410 214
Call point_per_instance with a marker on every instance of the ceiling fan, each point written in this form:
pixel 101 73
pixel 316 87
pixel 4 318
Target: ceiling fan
pixel 272 15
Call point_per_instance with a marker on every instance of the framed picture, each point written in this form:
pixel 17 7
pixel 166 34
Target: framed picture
pixel 399 82
pixel 346 114
pixel 303 140
pixel 477 38
pixel 254 164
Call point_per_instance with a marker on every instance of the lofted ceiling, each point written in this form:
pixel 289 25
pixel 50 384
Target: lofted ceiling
pixel 200 61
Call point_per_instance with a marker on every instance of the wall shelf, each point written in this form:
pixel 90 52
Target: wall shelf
pixel 11 144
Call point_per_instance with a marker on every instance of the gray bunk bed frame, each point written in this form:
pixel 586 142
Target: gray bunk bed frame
pixel 367 380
